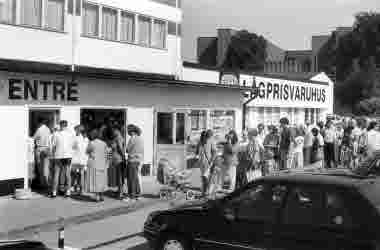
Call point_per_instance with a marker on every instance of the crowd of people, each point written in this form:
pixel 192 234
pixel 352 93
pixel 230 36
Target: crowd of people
pixel 83 158
pixel 264 150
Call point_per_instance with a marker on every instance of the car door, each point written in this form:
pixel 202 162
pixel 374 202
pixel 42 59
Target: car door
pixel 300 223
pixel 244 221
pixel 347 224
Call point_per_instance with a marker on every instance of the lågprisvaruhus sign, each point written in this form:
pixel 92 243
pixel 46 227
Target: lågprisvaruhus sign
pixel 281 92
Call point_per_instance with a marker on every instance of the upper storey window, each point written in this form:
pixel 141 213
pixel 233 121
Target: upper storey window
pixel 90 19
pixel 46 14
pixel 109 24
pixel 145 28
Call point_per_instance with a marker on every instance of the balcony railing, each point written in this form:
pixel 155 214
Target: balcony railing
pixel 173 3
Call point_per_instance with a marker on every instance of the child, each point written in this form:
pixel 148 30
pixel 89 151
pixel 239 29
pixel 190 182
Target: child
pixel 216 177
pixel 269 162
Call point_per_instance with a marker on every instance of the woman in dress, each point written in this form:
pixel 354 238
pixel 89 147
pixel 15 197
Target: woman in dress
pixel 347 149
pixel 135 151
pixel 206 153
pixel 230 155
pixel 79 160
pixel 97 165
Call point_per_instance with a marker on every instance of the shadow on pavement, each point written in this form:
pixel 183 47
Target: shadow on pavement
pixel 111 242
pixel 143 246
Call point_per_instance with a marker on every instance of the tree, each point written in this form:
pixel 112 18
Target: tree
pixel 369 106
pixel 247 51
pixel 353 58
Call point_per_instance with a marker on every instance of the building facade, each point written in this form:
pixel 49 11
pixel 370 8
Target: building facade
pixel 84 61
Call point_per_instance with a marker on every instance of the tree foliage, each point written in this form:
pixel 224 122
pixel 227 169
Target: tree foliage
pixel 353 58
pixel 247 51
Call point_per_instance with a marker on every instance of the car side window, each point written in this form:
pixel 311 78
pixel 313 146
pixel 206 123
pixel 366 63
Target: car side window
pixel 304 206
pixel 259 203
pixel 337 211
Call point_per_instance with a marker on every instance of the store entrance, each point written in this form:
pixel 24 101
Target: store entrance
pixel 96 119
pixel 40 175
pixel 171 138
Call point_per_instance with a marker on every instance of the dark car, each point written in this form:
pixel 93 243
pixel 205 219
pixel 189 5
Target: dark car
pixel 296 211
pixel 22 245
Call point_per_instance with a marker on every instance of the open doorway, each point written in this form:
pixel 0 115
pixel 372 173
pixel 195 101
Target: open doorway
pixel 39 174
pixel 92 118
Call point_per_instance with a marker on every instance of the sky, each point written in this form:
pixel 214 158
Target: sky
pixel 287 23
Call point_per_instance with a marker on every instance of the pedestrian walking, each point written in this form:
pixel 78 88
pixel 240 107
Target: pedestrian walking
pixel 329 137
pixel 285 143
pixel 347 149
pixel 63 147
pixel 42 152
pixel 118 161
pixel 31 161
pixel 80 159
pixel 98 163
pixel 317 155
pixel 206 155
pixel 230 155
pixel 308 144
pixel 135 151
pixel 272 143
pixel 373 139
pixel 254 154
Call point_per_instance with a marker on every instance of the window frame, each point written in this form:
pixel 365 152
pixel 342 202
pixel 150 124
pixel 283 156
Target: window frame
pixel 116 24
pixel 43 18
pixel 98 34
pixel 226 202
pixel 128 13
pixel 65 12
pixel 153 25
pixel 151 20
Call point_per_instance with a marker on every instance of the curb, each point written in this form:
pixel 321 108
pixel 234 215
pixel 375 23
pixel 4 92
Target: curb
pixel 77 220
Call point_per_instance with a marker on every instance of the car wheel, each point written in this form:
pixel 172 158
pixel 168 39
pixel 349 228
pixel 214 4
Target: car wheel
pixel 174 242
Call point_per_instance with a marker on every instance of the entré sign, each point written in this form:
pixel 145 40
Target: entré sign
pixel 41 90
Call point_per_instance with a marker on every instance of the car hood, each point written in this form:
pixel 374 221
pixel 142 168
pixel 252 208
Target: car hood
pixel 22 245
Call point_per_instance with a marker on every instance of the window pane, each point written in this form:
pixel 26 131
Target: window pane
pixel 127 27
pixel 31 12
pixel 260 203
pixel 109 24
pixel 144 31
pixel 180 127
pixel 159 34
pixel 90 19
pixel 304 207
pixel 55 10
pixel 164 128
pixel 7 11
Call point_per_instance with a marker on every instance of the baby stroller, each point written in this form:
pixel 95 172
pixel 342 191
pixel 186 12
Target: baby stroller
pixel 173 181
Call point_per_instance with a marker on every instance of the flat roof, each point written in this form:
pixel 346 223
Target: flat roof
pixel 302 77
pixel 32 67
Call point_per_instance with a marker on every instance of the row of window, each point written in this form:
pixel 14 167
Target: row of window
pixel 107 23
pixel 173 3
pixel 303 206
pixel 47 14
pixel 98 21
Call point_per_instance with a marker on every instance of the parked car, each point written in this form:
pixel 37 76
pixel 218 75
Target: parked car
pixel 295 211
pixel 22 245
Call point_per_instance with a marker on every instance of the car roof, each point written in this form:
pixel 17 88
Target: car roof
pixel 336 179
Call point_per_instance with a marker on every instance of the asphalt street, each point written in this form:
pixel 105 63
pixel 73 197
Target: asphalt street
pixel 112 233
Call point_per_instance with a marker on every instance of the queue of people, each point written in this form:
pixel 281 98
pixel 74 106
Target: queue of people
pixel 262 151
pixel 79 161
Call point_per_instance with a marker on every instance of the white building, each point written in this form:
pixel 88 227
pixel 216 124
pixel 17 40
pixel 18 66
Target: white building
pixel 82 61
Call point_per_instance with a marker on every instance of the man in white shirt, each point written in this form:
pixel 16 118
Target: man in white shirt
pixel 42 145
pixel 63 147
pixel 329 140
pixel 373 140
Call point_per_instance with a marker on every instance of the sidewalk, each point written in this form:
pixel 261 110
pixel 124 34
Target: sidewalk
pixel 21 217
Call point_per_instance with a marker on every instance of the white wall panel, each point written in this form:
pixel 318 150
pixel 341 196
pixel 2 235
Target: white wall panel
pixel 200 75
pixel 14 135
